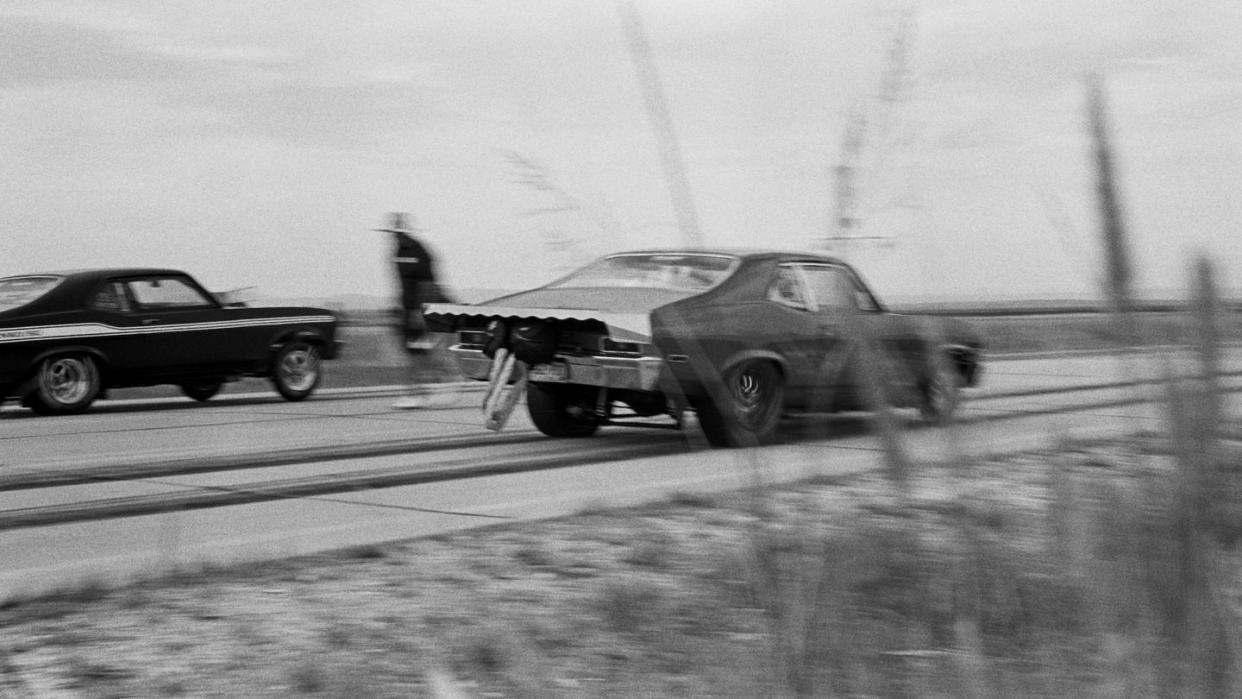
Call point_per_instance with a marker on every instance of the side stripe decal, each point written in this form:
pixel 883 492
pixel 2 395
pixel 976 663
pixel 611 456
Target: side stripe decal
pixel 86 330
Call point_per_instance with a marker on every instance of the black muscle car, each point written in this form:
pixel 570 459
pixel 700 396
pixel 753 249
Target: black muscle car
pixel 67 337
pixel 740 337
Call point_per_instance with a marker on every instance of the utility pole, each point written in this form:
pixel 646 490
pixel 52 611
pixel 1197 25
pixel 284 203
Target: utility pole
pixel 661 123
pixel 846 220
pixel 1119 269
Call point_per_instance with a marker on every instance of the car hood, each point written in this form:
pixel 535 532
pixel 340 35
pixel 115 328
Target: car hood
pixel 615 299
pixel 625 311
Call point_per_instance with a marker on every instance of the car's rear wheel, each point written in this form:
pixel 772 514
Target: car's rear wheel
pixel 940 391
pixel 64 384
pixel 748 408
pixel 201 390
pixel 558 411
pixel 297 370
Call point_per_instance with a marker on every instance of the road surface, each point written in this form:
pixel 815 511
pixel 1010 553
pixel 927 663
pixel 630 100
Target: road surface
pixel 140 487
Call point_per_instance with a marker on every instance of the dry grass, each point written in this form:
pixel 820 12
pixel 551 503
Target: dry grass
pixel 999 580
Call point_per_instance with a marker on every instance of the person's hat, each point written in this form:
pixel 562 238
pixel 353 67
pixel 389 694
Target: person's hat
pixel 398 222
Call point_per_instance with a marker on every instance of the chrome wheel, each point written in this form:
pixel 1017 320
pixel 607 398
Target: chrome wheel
pixel 65 384
pixel 297 370
pixel 748 408
pixel 756 397
pixel 300 370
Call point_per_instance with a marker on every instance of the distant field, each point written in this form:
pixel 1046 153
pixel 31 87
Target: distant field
pixel 1087 331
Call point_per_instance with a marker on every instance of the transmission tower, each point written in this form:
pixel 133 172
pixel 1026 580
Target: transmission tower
pixel 878 117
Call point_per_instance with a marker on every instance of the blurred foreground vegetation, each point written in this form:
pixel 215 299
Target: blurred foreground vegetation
pixel 1065 572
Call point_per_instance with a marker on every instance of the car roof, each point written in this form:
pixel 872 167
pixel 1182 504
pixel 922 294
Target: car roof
pixel 99 272
pixel 741 252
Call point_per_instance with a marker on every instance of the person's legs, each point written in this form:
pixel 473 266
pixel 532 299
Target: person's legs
pixel 425 366
pixel 410 331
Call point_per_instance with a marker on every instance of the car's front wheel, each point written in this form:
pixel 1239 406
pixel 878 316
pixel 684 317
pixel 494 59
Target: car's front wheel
pixel 201 390
pixel 557 411
pixel 65 384
pixel 296 370
pixel 748 408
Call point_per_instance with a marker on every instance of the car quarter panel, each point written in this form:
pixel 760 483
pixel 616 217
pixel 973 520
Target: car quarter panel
pixel 285 325
pixel 26 340
pixel 702 337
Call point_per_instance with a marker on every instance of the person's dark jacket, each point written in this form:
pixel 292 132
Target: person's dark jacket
pixel 416 270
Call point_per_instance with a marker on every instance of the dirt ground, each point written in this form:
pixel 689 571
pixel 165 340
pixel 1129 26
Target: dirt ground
pixel 841 587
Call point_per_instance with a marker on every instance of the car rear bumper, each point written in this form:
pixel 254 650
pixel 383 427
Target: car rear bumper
pixel 631 373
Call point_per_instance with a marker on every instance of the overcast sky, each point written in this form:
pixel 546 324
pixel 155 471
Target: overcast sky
pixel 257 143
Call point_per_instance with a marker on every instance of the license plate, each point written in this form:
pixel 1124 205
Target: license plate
pixel 549 372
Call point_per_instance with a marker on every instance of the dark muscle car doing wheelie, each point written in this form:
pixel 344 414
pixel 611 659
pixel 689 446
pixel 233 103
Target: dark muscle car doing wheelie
pixel 738 337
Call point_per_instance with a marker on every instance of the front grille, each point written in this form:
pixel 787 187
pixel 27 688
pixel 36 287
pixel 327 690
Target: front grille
pixel 473 339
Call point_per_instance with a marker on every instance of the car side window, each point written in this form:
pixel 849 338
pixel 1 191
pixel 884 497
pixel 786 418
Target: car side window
pixel 111 298
pixel 166 292
pixel 833 290
pixel 865 301
pixel 788 289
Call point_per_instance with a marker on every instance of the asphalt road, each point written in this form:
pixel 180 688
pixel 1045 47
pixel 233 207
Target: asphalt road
pixel 138 487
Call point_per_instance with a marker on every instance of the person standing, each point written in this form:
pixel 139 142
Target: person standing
pixel 416 275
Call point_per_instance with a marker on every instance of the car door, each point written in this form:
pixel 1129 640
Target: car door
pixel 184 327
pixel 122 338
pixel 802 332
pixel 898 339
pixel 836 349
pixel 864 343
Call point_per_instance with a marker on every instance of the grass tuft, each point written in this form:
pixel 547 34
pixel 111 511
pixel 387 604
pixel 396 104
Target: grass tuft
pixel 629 606
pixel 365 552
pixel 307 677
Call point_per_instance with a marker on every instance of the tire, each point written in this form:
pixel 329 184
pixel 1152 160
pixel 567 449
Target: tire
pixel 296 370
pixel 753 397
pixel 555 412
pixel 201 390
pixel 64 385
pixel 940 391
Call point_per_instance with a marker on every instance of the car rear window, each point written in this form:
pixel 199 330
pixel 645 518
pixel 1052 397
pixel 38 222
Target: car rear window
pixel 681 271
pixel 19 291
pixel 167 292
